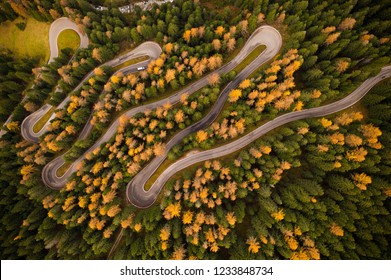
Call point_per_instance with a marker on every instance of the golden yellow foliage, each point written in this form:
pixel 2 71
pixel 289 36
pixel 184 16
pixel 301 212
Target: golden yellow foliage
pixel 165 233
pixel 328 29
pixel 172 211
pixel 214 247
pixel 187 35
pixel 13 126
pixel 245 84
pixel 347 24
pixel 357 154
pixel 219 30
pixel 179 116
pixel 99 71
pixel 107 233
pixel 332 38
pixel 253 245
pixel 342 65
pixel 353 140
pixel 370 132
pixel 234 95
pixel 113 211
pixel 115 79
pixel 187 217
pixel 337 138
pixel 168 47
pixel 213 79
pixel 231 218
pixel 266 150
pixel 279 215
pixel 170 75
pixel 179 253
pixel 336 230
pixel 137 227
pixel 201 136
pixel 387 192
pixel 292 242
pixel 325 122
pixel 361 180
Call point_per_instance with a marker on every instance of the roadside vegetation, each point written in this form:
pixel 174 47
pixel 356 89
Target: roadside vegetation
pixel 31 42
pixel 314 189
pixel 68 39
pixel 39 124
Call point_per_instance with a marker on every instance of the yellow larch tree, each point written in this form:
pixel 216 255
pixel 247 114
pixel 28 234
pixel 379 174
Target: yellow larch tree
pixel 353 140
pixel 234 95
pixel 213 79
pixel 245 84
pixel 253 245
pixel 342 65
pixel 279 215
pixel 328 29
pixel 201 136
pixel 179 253
pixel 231 218
pixel 325 122
pixel 357 155
pixel 361 180
pixel 159 149
pixel 170 75
pixel 347 24
pixel 187 35
pixel 336 230
pixel 172 211
pixel 187 217
pixel 332 38
pixel 179 116
pixel 231 44
pixel 219 30
pixel 165 233
pixel 370 132
pixel 96 54
pixel 168 48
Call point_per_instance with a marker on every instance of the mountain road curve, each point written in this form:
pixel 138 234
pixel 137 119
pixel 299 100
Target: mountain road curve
pixel 264 35
pixel 150 49
pixel 141 198
pixel 56 28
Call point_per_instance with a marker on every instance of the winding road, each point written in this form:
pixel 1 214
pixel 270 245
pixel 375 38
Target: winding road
pixel 141 198
pixel 135 192
pixel 150 49
pixel 56 28
pixel 265 35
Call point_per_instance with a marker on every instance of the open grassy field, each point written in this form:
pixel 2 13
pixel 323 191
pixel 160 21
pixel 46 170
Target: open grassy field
pixel 68 39
pixel 31 42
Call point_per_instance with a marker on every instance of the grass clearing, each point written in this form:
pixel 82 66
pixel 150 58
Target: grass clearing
pixel 32 42
pixel 39 124
pixel 61 171
pixel 249 58
pixel 165 164
pixel 130 62
pixel 68 39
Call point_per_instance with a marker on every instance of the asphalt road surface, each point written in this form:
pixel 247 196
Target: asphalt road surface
pixel 150 49
pixel 56 28
pixel 265 35
pixel 141 198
